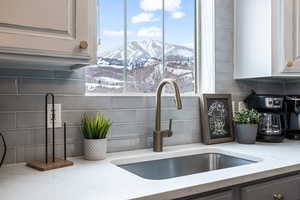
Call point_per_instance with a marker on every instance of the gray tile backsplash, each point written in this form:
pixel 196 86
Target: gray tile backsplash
pixel 22 115
pixel 132 126
pixel 22 104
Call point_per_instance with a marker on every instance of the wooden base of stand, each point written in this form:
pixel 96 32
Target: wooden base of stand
pixel 43 166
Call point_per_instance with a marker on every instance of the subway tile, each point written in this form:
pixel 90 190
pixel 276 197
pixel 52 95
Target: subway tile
pixel 10 155
pixel 224 40
pixel 15 138
pixel 224 13
pixel 84 103
pixel 224 62
pixel 73 118
pixel 116 145
pixel 132 102
pixel 130 130
pixel 187 102
pixel 75 149
pixel 266 86
pixel 7 121
pixel 120 130
pixel 36 152
pixel 120 116
pixel 184 114
pixel 30 119
pixel 21 103
pixel 231 87
pixel 142 129
pixel 20 154
pixel 56 86
pixel 145 115
pixel 8 86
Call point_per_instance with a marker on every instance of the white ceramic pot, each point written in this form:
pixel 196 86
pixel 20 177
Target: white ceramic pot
pixel 95 149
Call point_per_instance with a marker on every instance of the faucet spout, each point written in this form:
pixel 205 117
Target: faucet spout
pixel 158 134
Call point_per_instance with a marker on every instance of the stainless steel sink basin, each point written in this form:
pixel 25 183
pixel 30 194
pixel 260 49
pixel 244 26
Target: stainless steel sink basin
pixel 181 166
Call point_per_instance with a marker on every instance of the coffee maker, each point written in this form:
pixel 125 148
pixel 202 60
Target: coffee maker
pixel 271 127
pixel 293 117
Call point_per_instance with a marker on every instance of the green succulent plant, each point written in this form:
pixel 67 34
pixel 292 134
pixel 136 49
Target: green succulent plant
pixel 247 116
pixel 95 127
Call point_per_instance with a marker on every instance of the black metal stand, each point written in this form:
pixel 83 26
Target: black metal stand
pixel 53 126
pixel 4 151
pixel 55 162
pixel 65 140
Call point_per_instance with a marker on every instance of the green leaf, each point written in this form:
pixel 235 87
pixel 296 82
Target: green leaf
pixel 247 116
pixel 95 127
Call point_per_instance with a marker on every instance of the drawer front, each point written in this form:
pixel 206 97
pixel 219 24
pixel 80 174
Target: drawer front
pixel 288 187
pixel 228 195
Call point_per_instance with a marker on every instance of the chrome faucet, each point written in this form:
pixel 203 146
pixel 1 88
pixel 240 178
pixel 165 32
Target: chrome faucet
pixel 158 135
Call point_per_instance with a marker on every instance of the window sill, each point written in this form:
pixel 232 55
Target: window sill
pixel 138 95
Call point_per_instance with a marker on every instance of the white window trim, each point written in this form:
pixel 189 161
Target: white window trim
pixel 204 60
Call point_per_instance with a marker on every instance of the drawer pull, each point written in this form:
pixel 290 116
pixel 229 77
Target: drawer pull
pixel 278 196
pixel 83 44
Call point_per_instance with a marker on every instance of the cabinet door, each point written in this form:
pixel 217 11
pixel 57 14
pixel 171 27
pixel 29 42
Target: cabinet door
pixel 228 195
pixel 45 27
pixel 288 188
pixel 291 31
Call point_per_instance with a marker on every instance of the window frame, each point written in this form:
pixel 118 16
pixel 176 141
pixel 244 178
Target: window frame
pixel 198 54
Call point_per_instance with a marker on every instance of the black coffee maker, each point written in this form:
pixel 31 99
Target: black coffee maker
pixel 271 127
pixel 293 117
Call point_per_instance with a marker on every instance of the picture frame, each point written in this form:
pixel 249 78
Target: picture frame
pixel 216 118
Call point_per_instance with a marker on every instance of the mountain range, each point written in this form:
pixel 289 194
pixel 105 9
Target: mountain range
pixel 143 52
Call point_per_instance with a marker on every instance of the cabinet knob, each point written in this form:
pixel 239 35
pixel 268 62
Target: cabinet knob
pixel 278 196
pixel 83 44
pixel 290 64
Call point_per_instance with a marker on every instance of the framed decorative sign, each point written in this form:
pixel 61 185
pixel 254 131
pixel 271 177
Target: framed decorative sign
pixel 216 118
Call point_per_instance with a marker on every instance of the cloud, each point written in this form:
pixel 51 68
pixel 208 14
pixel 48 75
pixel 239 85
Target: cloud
pixel 178 15
pixel 153 5
pixel 113 33
pixel 152 31
pixel 143 17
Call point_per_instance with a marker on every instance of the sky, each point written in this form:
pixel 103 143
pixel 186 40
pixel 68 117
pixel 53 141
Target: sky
pixel 144 21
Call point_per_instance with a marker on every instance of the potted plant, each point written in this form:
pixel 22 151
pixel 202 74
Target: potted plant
pixel 246 126
pixel 95 130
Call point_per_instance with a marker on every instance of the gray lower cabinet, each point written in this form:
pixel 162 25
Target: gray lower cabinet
pixel 219 196
pixel 283 188
pixel 280 189
pixel 228 195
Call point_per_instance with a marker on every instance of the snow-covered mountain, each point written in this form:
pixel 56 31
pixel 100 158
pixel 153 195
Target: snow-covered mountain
pixel 143 52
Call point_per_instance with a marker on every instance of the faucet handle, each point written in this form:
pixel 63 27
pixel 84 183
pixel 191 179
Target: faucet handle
pixel 170 124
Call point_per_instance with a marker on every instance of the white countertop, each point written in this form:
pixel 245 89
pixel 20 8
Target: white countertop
pixel 103 180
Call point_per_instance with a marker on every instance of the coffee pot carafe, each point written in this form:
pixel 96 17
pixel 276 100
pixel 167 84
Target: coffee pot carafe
pixel 271 127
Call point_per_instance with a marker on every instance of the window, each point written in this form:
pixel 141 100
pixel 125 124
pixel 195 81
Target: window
pixel 142 42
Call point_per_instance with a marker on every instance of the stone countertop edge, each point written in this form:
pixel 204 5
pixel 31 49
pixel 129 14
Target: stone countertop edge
pixel 104 180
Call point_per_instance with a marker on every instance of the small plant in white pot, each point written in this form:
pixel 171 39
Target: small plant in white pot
pixel 246 126
pixel 95 130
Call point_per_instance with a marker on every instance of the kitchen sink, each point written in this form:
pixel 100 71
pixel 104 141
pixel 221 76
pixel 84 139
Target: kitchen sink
pixel 181 166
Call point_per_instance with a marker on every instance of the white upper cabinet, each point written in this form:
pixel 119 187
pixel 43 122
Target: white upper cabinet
pixel 267 38
pixel 48 31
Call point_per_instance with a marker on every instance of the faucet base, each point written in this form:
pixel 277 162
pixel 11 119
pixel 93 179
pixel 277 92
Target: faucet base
pixel 157 142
